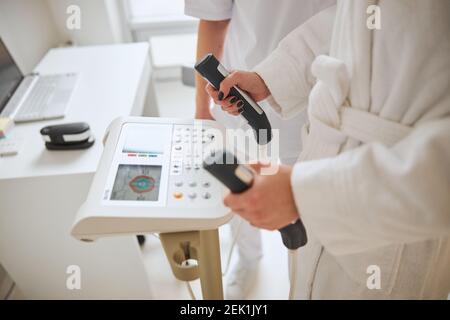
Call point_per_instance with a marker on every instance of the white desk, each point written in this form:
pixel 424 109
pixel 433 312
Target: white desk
pixel 41 190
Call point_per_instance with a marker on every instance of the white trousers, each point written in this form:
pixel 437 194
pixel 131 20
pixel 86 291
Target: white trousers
pixel 249 241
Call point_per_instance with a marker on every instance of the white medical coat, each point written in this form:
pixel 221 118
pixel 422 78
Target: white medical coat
pixel 256 27
pixel 373 182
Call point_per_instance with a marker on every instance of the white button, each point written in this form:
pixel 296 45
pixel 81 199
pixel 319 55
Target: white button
pixel 178 148
pixel 206 195
pixel 193 184
pixel 179 183
pixel 206 184
pixel 192 195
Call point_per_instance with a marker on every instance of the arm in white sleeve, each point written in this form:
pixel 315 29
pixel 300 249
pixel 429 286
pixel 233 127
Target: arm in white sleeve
pixel 287 71
pixel 375 196
pixel 216 10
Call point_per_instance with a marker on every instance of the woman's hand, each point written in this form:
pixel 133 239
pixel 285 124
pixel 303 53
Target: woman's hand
pixel 250 82
pixel 269 203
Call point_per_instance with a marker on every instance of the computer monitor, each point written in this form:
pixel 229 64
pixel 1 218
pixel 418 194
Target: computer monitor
pixel 10 76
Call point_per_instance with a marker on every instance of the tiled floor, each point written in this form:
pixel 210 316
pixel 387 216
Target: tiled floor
pixel 175 100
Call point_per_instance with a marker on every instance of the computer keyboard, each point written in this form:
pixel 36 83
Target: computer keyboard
pixel 48 98
pixel 15 101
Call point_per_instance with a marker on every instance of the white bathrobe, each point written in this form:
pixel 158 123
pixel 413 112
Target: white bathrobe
pixel 373 183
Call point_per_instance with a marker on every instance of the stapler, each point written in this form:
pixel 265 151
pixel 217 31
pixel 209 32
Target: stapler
pixel 70 136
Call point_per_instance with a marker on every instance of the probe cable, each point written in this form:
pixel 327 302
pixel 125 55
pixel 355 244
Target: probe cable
pixel 292 259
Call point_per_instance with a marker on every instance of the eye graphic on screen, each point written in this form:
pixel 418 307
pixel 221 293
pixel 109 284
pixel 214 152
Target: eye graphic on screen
pixel 142 184
pixel 137 183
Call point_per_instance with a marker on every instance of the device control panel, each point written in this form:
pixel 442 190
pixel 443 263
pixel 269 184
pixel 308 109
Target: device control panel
pixel 150 179
pixel 161 165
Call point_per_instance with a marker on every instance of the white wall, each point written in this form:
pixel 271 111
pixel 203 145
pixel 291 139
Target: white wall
pixel 30 28
pixel 118 20
pixel 101 21
pixel 28 31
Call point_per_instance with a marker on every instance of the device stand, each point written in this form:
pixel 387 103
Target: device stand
pixel 193 255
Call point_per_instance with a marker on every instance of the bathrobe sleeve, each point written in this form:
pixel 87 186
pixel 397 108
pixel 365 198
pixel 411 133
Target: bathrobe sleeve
pixel 374 195
pixel 287 71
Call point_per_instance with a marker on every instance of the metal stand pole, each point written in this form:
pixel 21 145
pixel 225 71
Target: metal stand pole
pixel 193 255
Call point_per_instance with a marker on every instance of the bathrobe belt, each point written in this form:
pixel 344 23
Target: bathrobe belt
pixel 332 121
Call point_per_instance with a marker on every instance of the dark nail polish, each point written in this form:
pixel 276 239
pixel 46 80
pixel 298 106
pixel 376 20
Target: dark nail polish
pixel 233 100
pixel 240 104
pixel 220 95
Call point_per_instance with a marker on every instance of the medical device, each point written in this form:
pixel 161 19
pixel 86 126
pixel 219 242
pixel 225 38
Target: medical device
pixel 211 69
pixel 239 178
pixel 150 179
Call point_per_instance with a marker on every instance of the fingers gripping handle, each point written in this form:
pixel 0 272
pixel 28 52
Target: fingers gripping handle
pixel 238 178
pixel 211 69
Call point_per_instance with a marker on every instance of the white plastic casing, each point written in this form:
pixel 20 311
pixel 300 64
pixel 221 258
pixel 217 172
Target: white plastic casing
pixel 177 147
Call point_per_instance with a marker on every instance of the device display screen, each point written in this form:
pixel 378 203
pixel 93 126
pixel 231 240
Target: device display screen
pixel 10 75
pixel 137 183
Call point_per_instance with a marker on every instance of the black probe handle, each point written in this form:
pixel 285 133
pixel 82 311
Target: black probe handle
pixel 294 235
pixel 211 69
pixel 223 167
